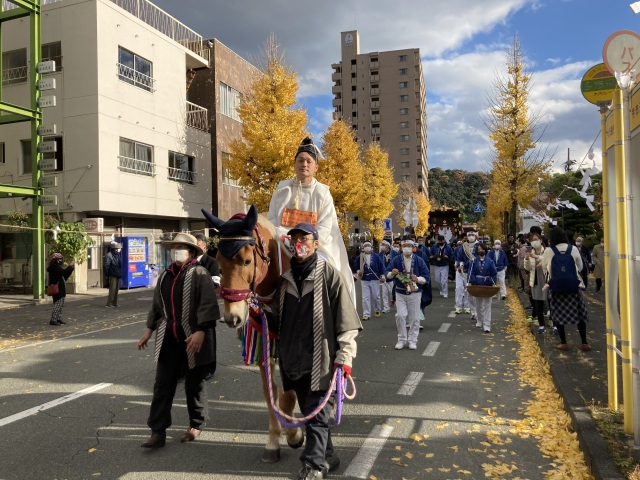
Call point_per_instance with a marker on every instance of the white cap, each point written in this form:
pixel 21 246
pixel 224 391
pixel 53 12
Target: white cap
pixel 366 243
pixel 407 241
pixel 497 242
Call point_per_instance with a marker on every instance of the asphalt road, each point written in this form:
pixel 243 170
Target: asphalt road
pixel 457 391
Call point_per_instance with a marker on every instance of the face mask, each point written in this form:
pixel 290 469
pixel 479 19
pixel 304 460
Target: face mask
pixel 367 249
pixel 396 249
pixel 536 243
pixel 471 238
pixel 481 253
pixel 179 255
pixel 59 262
pixel 407 251
pixel 578 244
pixel 301 250
pixel 117 250
pixel 497 247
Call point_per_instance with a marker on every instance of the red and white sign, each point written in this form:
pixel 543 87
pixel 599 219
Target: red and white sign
pixel 621 52
pixel 93 224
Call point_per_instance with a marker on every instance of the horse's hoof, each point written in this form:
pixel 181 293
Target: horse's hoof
pixel 299 443
pixel 270 456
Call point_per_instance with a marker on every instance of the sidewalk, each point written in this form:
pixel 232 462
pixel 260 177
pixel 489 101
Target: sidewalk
pixel 581 380
pixel 8 302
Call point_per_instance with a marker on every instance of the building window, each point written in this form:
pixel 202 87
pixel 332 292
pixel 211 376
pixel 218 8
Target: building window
pixel 354 114
pixel 404 138
pixel 354 101
pixel 353 88
pixel 404 111
pixel 181 168
pixel 353 75
pixel 404 124
pixel 136 158
pixel 375 125
pixel 57 155
pixel 404 71
pixel 404 151
pixel 374 59
pixel 404 98
pixel 14 66
pixel 404 164
pixel 226 174
pixel 1 153
pixel 353 61
pixel 135 70
pixel 25 149
pixel 402 58
pixel 229 101
pixel 375 99
pixel 53 51
pixel 404 84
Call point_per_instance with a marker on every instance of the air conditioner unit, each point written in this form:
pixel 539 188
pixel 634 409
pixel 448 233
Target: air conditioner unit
pixel 8 270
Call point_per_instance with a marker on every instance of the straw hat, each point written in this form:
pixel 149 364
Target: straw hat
pixel 183 239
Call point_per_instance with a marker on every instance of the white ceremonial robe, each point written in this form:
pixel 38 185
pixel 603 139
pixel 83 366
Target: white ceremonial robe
pixel 314 197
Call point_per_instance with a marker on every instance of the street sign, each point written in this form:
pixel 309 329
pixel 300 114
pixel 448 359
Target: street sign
pixel 47 101
pixel 44 130
pixel 48 164
pixel 597 85
pixel 47 147
pixel 46 67
pixel 47 84
pixel 48 200
pixel 621 51
pixel 478 208
pixel 386 224
pixel 49 182
pixel 93 224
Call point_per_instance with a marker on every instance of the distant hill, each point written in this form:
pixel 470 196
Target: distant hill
pixel 458 189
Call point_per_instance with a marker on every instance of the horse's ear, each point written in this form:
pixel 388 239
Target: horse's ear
pixel 251 219
pixel 213 220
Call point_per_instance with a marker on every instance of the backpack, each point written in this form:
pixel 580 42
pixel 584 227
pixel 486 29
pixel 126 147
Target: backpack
pixel 564 276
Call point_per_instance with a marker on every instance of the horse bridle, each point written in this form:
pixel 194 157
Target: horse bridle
pixel 238 295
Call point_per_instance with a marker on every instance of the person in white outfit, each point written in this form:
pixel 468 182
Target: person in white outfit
pixel 439 256
pixel 464 255
pixel 386 255
pixel 483 272
pixel 499 257
pixel 409 273
pixel 370 271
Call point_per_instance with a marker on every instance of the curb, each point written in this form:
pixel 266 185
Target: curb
pixel 595 448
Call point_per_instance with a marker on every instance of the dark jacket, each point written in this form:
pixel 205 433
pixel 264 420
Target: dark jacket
pixel 183 303
pixel 59 275
pixel 211 264
pixel 483 272
pixel 441 255
pixel 113 265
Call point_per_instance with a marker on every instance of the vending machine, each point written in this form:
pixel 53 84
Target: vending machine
pixel 135 262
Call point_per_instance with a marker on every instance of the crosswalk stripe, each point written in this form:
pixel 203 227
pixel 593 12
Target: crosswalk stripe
pixel 410 384
pixel 430 351
pixel 361 465
pixel 444 328
pixel 452 314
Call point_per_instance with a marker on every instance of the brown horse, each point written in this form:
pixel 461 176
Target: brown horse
pixel 251 260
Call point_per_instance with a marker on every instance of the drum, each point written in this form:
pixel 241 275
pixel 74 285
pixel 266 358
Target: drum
pixel 482 290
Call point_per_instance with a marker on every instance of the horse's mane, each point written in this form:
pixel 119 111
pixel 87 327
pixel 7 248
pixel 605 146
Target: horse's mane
pixel 266 223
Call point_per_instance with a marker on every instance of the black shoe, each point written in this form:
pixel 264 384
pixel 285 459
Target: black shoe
pixel 156 440
pixel 54 323
pixel 62 322
pixel 307 472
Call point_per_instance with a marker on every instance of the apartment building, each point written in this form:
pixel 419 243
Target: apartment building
pixel 133 155
pixel 382 95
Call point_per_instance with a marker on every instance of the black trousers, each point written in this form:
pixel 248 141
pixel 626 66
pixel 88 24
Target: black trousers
pixel 538 311
pixel 598 284
pixel 582 329
pixel 318 445
pixel 173 358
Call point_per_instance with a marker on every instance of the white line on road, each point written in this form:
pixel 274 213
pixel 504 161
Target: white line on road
pixel 430 351
pixel 361 465
pixel 11 349
pixel 444 328
pixel 53 403
pixel 410 384
pixel 452 314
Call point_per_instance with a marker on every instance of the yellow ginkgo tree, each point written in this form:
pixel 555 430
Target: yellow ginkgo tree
pixel 272 129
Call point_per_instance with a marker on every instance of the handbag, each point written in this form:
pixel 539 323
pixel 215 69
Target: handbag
pixel 52 290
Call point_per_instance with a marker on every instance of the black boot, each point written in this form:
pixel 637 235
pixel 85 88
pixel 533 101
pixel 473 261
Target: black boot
pixel 156 440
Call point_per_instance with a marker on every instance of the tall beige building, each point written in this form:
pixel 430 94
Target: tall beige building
pixel 382 95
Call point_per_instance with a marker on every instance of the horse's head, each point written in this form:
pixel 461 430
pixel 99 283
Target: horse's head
pixel 243 262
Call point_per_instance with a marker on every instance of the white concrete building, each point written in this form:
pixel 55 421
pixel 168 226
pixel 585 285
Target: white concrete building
pixel 131 149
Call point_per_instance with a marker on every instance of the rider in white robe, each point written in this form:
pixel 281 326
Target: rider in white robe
pixel 304 199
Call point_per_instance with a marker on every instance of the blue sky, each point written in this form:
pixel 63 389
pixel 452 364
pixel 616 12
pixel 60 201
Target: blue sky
pixel 462 43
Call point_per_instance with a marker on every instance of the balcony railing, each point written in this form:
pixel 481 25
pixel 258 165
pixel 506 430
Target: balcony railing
pixel 180 175
pixel 197 117
pixel 133 165
pixel 166 24
pixel 130 75
pixel 6 5
pixel 14 75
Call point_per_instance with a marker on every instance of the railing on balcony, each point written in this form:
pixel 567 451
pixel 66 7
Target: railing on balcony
pixel 134 165
pixel 6 5
pixel 197 117
pixel 180 175
pixel 166 24
pixel 14 75
pixel 130 75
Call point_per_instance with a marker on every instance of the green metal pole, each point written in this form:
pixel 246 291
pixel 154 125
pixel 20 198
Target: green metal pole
pixel 36 156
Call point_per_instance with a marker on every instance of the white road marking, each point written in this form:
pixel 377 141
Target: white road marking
pixel 11 349
pixel 361 465
pixel 53 403
pixel 410 384
pixel 452 314
pixel 430 351
pixel 444 328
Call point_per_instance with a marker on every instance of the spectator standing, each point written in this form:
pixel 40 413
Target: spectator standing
pixel 113 272
pixel 536 280
pixel 585 254
pixel 597 257
pixel 58 275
